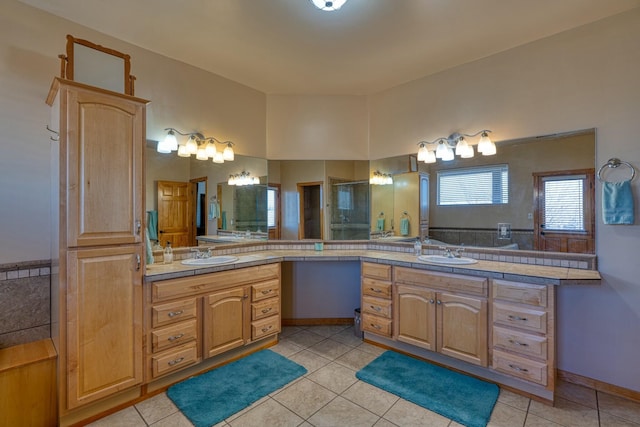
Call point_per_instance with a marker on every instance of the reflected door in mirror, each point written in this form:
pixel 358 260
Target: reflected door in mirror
pixel 173 213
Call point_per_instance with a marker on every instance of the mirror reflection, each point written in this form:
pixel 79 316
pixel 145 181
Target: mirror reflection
pixel 526 217
pixel 191 202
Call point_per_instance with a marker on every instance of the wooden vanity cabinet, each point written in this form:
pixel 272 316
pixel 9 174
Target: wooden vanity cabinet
pixel 432 312
pixel 97 263
pixel 376 302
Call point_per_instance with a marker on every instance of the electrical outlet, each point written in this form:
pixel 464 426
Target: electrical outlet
pixel 504 230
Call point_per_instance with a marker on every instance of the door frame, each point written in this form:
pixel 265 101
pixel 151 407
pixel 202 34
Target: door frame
pixel 277 230
pixel 301 187
pixel 193 211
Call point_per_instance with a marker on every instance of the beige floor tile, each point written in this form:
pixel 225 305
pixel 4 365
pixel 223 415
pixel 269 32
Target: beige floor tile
pixel 407 414
pixel 311 361
pixel 177 420
pixel 371 398
pixel 286 348
pixel 504 415
pixel 269 413
pixel 535 421
pixel 341 412
pixel 608 420
pixel 335 377
pixel 330 349
pixel 248 408
pixel 128 417
pixel 513 399
pixel 619 407
pixel 356 359
pixel 347 337
pixel 156 408
pixel 386 423
pixel 304 338
pixel 577 393
pixel 566 413
pixel 289 330
pixel 370 348
pixel 304 397
pixel 327 330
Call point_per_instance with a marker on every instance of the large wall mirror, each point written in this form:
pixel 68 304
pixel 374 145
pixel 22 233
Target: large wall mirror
pixel 530 218
pixel 190 201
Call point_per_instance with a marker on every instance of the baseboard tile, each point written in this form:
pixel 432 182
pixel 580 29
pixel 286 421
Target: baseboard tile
pixel 599 385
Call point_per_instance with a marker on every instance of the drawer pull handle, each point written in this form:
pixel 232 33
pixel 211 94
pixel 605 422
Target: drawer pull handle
pixel 175 313
pixel 378 309
pixel 176 361
pixel 523 344
pixel 512 317
pixel 266 310
pixel 374 326
pixel 267 291
pixel 267 328
pixel 518 368
pixel 375 290
pixel 175 337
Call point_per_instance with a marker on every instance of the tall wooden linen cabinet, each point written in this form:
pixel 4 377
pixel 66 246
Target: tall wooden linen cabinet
pixel 97 253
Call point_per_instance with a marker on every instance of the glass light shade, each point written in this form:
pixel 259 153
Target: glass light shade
pixel 422 152
pixel 490 149
pixel 431 157
pixel 328 5
pixel 388 180
pixel 461 146
pixel 210 149
pixel 444 152
pixel 484 143
pixel 192 145
pixel 467 153
pixel 183 152
pixel 201 154
pixel 170 141
pixel 256 180
pixel 232 180
pixel 217 158
pixel 448 155
pixel 163 147
pixel 228 153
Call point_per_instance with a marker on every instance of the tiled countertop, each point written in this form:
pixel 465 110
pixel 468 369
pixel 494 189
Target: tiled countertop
pixel 493 269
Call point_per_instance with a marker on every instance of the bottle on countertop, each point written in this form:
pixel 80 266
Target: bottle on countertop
pixel 417 247
pixel 167 256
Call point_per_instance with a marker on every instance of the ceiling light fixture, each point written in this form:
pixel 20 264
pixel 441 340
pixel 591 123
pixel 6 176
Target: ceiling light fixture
pixel 446 148
pixel 243 178
pixel 204 147
pixel 380 178
pixel 328 5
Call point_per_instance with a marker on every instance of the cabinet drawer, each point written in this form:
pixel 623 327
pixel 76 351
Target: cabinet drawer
pixel 526 344
pixel 377 325
pixel 520 367
pixel 377 306
pixel 376 288
pixel 264 327
pixel 166 314
pixel 168 362
pixel 265 290
pixel 524 293
pixel 173 335
pixel 445 281
pixel 265 308
pixel 530 319
pixel 376 271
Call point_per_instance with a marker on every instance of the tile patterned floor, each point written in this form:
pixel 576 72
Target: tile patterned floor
pixel 330 395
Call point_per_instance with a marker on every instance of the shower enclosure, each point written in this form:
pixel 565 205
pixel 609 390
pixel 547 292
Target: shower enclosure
pixel 349 210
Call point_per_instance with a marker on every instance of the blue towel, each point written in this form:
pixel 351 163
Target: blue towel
pixel 380 224
pixel 404 226
pixel 152 225
pixel 223 226
pixel 148 249
pixel 617 203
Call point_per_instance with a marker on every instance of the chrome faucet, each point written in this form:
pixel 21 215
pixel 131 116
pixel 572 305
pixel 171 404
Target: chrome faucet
pixel 201 254
pixel 452 253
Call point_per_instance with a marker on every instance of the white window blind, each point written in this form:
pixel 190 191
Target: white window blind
pixel 271 208
pixel 485 185
pixel 564 203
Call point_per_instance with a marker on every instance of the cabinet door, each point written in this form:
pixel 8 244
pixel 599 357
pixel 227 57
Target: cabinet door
pixel 104 139
pixel 462 328
pixel 103 323
pixel 226 321
pixel 415 316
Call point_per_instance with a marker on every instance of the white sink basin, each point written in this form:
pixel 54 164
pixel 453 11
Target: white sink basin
pixel 214 260
pixel 440 259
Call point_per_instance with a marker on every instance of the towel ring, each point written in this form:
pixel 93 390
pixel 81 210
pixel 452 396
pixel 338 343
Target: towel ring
pixel 614 163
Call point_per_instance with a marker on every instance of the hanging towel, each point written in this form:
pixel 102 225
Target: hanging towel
pixel 148 249
pixel 152 225
pixel 380 224
pixel 404 226
pixel 617 203
pixel 214 210
pixel 224 220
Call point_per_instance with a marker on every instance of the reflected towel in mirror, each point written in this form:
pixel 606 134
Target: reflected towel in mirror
pixel 404 226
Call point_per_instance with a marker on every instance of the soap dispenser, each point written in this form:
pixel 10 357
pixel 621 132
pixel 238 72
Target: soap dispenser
pixel 167 256
pixel 417 247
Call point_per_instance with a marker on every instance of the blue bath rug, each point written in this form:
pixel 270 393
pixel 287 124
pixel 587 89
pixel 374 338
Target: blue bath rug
pixel 464 399
pixel 215 395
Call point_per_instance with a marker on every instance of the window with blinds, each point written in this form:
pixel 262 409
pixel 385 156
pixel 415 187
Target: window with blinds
pixel 271 207
pixel 485 185
pixel 563 203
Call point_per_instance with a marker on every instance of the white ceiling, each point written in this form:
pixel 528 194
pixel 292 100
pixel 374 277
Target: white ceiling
pixel 290 47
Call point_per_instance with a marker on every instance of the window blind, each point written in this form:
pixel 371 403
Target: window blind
pixel 485 185
pixel 564 203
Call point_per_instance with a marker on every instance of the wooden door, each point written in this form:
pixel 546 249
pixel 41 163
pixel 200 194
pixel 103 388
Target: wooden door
pixel 415 316
pixel 103 323
pixel 103 161
pixel 226 322
pixel 174 219
pixel 564 213
pixel 311 220
pixel 462 328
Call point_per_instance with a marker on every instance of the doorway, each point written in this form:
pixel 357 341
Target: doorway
pixel 198 226
pixel 174 213
pixel 311 216
pixel 273 211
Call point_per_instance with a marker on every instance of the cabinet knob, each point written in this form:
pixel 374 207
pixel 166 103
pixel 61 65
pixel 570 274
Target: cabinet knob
pixel 175 313
pixel 175 337
pixel 438 302
pixel 138 226
pixel 175 361
pixel 266 310
pixel 431 301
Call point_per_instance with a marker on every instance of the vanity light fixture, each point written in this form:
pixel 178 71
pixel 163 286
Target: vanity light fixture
pixel 243 178
pixel 204 147
pixel 446 148
pixel 328 5
pixel 380 178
